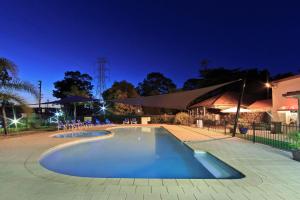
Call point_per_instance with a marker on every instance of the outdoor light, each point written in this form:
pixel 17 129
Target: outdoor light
pixel 58 113
pixel 103 108
pixel 15 121
pixel 268 85
pixel 55 118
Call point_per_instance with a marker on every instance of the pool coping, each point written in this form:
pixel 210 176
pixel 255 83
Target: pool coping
pixel 270 173
pixel 33 165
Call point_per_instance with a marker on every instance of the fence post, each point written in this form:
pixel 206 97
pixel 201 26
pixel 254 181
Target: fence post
pixel 253 127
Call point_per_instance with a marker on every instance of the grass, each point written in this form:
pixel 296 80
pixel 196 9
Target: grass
pixel 25 130
pixel 288 145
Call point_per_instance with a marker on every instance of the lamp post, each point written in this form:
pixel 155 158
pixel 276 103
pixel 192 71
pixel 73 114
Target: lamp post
pixel 238 107
pixel 268 86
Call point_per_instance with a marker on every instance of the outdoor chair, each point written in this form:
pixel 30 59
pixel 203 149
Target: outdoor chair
pixel 107 121
pixel 126 121
pixel 133 121
pixel 79 124
pixel 97 122
pixel 88 123
pixel 61 125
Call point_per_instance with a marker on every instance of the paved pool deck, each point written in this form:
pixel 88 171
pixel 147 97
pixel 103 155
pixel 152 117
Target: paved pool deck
pixel 270 173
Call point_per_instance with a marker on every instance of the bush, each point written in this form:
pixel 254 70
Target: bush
pixel 162 119
pixel 183 118
pixel 295 137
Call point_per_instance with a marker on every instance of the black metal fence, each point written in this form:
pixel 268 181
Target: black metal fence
pixel 274 134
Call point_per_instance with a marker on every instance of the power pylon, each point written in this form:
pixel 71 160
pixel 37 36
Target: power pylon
pixel 101 77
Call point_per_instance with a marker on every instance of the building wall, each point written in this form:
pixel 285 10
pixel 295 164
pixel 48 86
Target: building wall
pixel 280 110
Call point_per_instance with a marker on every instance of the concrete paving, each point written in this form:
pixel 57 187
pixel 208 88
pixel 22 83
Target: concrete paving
pixel 270 173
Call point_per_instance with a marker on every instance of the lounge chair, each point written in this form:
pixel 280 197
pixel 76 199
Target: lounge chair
pixel 72 124
pixel 88 123
pixel 107 121
pixel 61 125
pixel 133 121
pixel 97 122
pixel 126 121
pixel 79 124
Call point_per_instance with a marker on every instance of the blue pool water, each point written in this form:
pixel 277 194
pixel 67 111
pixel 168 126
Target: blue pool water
pixel 141 152
pixel 82 134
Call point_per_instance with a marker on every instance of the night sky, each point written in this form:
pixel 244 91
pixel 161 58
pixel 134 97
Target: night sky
pixel 47 37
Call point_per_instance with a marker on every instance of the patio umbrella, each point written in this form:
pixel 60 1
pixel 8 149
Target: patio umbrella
pixel 234 109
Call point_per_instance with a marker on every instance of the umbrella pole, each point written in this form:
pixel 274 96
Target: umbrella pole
pixel 238 108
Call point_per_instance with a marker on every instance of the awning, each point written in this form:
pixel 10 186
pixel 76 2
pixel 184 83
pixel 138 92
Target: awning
pixel 293 94
pixel 234 109
pixel 291 102
pixel 177 100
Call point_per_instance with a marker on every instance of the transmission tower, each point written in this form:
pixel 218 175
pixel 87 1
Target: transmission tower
pixel 101 77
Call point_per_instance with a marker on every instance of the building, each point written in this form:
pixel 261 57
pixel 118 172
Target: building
pixel 285 100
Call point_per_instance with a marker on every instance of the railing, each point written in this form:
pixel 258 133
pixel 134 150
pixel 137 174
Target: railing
pixel 275 134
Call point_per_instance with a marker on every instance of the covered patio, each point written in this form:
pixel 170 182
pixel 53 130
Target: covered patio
pixel 295 95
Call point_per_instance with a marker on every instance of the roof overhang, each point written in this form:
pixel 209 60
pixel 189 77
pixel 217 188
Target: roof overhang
pixel 177 100
pixel 293 94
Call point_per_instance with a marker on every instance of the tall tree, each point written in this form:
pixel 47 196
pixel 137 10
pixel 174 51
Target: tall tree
pixel 192 83
pixel 154 84
pixel 10 85
pixel 73 84
pixel 121 90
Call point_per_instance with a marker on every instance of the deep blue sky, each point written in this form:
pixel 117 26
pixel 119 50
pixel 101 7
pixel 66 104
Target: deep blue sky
pixel 46 38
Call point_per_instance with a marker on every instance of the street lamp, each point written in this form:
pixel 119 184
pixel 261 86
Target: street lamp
pixel 268 86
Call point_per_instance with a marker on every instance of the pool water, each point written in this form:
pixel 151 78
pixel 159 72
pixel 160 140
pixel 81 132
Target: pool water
pixel 141 152
pixel 82 134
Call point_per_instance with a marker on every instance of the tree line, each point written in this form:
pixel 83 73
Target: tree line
pixel 76 83
pixel 155 83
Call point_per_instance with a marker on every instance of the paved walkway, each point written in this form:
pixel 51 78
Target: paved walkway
pixel 270 173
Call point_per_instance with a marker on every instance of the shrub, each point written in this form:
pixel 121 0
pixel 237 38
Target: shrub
pixel 182 118
pixel 161 119
pixel 295 137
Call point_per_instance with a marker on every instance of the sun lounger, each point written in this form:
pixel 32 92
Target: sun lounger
pixel 133 121
pixel 107 121
pixel 126 121
pixel 61 126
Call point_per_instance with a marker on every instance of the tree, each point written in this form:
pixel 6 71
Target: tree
pixel 192 83
pixel 73 84
pixel 121 90
pixel 154 84
pixel 9 86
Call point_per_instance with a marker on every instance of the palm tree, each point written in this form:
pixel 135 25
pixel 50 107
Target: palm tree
pixel 10 85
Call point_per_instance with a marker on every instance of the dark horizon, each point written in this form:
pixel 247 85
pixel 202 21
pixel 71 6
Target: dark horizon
pixel 46 39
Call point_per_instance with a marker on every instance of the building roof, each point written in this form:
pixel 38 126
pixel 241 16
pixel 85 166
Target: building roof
pixel 72 99
pixel 177 100
pixel 261 105
pixel 286 79
pixel 222 101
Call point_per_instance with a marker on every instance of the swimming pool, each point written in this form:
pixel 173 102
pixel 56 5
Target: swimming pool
pixel 140 152
pixel 82 134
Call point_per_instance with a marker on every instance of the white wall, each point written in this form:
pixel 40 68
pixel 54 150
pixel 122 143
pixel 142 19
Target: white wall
pixel 279 101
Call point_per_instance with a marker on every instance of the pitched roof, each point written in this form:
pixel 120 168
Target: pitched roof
pixel 261 105
pixel 177 100
pixel 286 79
pixel 224 100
